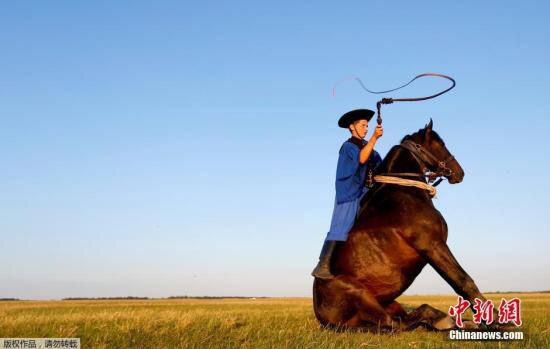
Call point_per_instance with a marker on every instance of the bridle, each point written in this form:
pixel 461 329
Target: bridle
pixel 425 159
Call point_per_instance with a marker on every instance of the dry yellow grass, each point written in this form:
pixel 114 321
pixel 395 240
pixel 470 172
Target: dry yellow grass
pixel 235 323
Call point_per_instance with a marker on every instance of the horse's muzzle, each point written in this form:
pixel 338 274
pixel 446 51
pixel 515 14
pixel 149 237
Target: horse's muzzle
pixel 456 177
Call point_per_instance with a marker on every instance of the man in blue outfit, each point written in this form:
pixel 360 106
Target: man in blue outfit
pixel 357 156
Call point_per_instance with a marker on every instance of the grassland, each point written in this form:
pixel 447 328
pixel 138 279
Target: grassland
pixel 236 323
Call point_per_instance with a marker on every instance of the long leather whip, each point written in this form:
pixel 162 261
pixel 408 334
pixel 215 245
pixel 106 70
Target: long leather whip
pixel 391 100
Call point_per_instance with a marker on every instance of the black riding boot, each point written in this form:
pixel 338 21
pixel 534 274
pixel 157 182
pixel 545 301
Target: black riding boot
pixel 322 270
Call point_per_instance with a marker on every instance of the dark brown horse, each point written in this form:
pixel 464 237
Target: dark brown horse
pixel 396 234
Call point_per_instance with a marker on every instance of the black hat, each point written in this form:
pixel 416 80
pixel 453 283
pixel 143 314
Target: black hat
pixel 354 115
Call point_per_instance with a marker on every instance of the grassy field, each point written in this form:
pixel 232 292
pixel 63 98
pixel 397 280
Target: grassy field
pixel 236 323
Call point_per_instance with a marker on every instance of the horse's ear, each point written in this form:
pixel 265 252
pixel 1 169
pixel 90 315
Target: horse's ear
pixel 429 125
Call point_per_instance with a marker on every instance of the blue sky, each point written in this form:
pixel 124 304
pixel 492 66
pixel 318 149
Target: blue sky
pixel 189 148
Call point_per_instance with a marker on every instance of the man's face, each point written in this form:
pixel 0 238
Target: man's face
pixel 360 128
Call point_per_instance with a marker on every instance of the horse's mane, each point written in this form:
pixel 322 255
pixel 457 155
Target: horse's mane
pixel 420 134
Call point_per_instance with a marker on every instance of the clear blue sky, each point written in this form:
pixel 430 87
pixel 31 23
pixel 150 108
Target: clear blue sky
pixel 189 148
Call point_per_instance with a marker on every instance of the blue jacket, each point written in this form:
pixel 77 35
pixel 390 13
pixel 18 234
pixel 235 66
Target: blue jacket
pixel 350 174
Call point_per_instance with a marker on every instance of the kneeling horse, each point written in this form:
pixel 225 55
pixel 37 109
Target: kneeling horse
pixel 398 231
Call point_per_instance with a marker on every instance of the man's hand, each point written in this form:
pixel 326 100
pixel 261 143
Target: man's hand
pixel 378 131
pixel 367 149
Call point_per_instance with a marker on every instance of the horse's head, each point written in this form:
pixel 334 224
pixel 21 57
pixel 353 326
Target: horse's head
pixel 434 153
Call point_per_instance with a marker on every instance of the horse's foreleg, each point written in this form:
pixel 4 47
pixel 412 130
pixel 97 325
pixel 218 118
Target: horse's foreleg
pixel 424 314
pixel 434 318
pixel 442 260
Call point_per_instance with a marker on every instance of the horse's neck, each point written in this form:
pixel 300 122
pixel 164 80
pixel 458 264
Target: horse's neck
pixel 400 160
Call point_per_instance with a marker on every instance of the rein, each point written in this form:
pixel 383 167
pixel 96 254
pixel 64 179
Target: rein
pixel 406 182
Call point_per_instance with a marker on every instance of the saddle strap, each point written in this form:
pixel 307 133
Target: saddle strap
pixel 406 182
